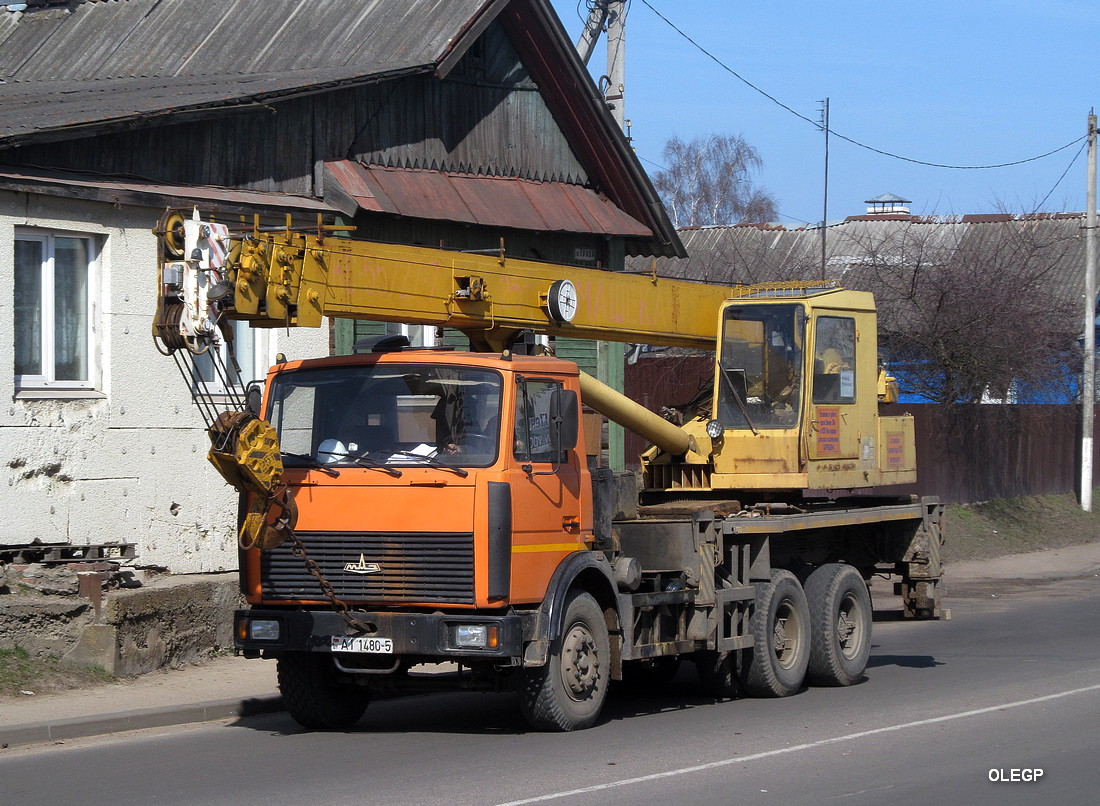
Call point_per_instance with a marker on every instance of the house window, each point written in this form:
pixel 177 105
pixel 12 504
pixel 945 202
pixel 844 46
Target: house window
pixel 54 316
pixel 223 379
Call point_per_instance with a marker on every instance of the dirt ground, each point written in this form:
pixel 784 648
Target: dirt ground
pixel 1018 525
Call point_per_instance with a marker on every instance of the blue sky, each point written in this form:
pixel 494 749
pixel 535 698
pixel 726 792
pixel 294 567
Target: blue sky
pixel 968 82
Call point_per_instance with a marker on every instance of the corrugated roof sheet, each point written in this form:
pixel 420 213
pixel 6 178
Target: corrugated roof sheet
pixel 105 65
pixel 134 191
pixel 155 55
pixel 855 247
pixel 225 37
pixel 490 201
pixel 32 108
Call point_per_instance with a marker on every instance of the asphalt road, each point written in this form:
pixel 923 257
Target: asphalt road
pixel 1011 683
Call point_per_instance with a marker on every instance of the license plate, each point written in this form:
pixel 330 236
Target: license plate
pixel 360 643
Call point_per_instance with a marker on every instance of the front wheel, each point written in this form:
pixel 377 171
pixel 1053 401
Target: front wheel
pixel 315 694
pixel 568 693
pixel 841 617
pixel 780 623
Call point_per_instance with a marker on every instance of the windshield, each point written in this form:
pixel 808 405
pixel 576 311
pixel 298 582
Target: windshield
pixel 387 415
pixel 761 366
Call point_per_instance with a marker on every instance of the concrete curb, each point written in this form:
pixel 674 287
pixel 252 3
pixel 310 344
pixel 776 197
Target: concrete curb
pixel 63 729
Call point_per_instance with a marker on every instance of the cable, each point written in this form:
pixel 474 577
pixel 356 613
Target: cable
pixel 779 212
pixel 835 133
pixel 1060 178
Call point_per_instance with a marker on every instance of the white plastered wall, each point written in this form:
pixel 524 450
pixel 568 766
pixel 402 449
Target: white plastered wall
pixel 127 461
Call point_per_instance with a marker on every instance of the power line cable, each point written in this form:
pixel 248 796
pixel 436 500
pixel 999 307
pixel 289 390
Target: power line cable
pixel 1063 176
pixel 835 133
pixel 780 213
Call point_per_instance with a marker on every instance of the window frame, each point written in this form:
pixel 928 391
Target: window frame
pixel 46 383
pixel 257 371
pixel 758 412
pixel 846 378
pixel 522 396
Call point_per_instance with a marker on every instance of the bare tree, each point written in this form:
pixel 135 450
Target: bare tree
pixel 709 181
pixel 968 311
pixel 975 311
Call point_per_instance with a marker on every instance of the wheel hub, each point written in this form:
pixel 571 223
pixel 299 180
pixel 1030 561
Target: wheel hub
pixel 844 629
pixel 849 627
pixel 780 642
pixel 580 667
pixel 785 635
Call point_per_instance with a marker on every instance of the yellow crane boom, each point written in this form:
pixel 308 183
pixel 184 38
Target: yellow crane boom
pixel 294 277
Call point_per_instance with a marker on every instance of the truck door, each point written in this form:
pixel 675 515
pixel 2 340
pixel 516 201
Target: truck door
pixel 835 427
pixel 546 495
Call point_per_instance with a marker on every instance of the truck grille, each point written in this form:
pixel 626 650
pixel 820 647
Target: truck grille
pixel 430 567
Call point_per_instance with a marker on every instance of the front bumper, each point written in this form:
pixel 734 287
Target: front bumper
pixel 419 635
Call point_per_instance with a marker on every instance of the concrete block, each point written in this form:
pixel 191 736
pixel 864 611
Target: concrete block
pixel 96 646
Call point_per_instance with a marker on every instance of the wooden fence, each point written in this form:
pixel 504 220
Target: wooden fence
pixel 965 453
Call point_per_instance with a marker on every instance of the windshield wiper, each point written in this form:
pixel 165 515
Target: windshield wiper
pixel 366 461
pixel 362 461
pixel 740 403
pixel 433 462
pixel 311 461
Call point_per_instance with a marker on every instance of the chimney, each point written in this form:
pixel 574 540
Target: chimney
pixel 887 203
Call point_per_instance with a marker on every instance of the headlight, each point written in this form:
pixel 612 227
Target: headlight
pixel 263 630
pixel 472 635
pixel 714 429
pixel 476 636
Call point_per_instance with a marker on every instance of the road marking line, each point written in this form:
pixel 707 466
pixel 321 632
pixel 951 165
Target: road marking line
pixel 799 747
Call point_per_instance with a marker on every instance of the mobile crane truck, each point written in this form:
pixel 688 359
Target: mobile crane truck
pixel 408 506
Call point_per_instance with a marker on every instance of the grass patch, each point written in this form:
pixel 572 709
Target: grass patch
pixel 20 671
pixel 1016 525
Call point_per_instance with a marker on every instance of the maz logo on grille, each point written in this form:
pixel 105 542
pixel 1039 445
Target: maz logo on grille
pixel 363 567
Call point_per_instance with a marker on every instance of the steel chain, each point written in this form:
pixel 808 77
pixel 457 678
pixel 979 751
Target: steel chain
pixel 298 549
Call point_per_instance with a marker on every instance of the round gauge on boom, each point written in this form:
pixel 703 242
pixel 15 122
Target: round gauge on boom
pixel 561 301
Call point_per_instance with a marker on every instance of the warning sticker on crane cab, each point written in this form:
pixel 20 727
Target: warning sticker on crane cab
pixel 895 449
pixel 828 432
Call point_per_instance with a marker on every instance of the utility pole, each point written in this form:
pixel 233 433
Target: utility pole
pixel 593 27
pixel 1088 382
pixel 616 60
pixel 610 16
pixel 825 195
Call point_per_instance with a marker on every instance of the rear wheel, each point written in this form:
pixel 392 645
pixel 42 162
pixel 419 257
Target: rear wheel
pixel 840 625
pixel 568 693
pixel 316 695
pixel 776 664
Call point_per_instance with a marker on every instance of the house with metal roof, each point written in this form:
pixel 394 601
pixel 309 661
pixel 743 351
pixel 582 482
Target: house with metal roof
pixel 415 121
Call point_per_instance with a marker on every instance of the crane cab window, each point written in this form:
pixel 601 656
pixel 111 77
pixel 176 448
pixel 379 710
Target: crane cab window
pixel 835 360
pixel 760 366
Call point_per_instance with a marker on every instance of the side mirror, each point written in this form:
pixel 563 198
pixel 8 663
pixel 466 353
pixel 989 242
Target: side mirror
pixel 564 411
